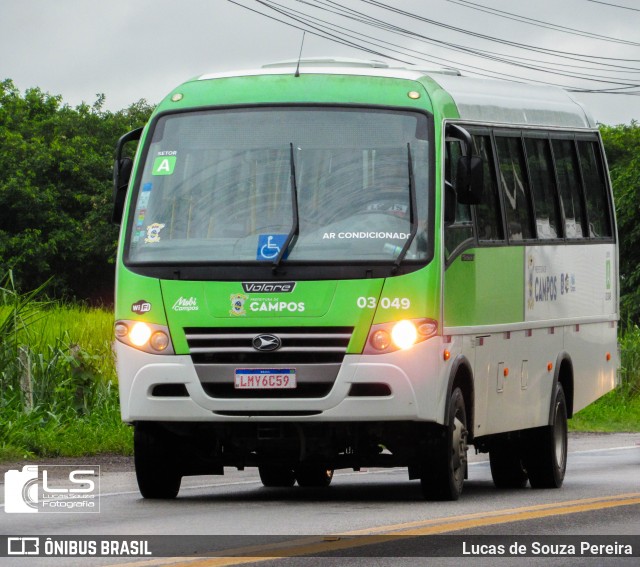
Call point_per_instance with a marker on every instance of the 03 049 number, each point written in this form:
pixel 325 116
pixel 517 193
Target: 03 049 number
pixel 385 302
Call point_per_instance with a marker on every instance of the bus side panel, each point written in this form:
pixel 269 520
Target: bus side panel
pixel 484 286
pixel 513 384
pixel 593 350
pixel 523 308
pixel 576 286
pixel 570 282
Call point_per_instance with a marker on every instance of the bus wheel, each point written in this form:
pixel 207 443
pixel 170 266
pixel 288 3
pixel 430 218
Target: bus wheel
pixel 314 476
pixel 156 473
pixel 507 470
pixel 276 476
pixel 445 470
pixel 546 456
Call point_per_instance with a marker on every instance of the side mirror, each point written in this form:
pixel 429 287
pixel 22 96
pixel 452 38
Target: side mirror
pixel 122 169
pixel 450 204
pixel 469 180
pixel 121 176
pixel 469 173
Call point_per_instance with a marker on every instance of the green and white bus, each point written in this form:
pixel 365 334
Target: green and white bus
pixel 349 265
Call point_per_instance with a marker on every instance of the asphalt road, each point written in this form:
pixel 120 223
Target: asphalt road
pixel 370 517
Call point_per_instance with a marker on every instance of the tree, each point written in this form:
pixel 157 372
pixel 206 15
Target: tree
pixel 55 190
pixel 622 146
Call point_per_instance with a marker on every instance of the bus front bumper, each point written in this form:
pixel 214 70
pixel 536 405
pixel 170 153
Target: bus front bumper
pixel 417 392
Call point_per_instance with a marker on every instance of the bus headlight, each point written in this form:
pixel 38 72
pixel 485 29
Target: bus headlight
pixel 381 340
pixel 404 334
pixel 148 337
pixel 139 334
pixel 399 335
pixel 121 330
pixel 159 341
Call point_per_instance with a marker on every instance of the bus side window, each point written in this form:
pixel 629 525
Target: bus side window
pixel 568 172
pixel 488 217
pixel 461 229
pixel 515 187
pixel 543 185
pixel 595 189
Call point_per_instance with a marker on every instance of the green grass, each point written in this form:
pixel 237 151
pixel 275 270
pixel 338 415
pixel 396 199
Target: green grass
pixel 42 433
pixel 58 384
pixel 617 411
pixel 614 412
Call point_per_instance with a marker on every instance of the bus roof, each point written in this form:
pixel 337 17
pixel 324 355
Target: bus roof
pixel 477 100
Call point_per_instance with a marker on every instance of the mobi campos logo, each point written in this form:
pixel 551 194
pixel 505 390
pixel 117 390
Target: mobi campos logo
pixel 52 488
pixel 186 304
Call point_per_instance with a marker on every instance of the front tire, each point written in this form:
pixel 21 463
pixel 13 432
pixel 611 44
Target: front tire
pixel 443 477
pixel 546 456
pixel 314 476
pixel 157 473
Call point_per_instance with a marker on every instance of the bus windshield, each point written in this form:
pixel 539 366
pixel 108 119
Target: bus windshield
pixel 232 185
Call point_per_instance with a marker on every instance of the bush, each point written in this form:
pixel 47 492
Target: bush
pixel 57 383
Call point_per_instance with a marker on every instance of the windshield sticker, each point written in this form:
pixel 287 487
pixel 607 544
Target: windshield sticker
pixel 237 305
pixel 143 199
pixel 140 232
pixel 394 209
pixel 142 306
pixel 269 246
pixel 365 235
pixel 165 163
pixel 139 225
pixel 153 233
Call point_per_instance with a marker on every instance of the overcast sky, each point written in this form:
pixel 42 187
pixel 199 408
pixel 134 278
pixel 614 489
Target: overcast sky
pixel 133 49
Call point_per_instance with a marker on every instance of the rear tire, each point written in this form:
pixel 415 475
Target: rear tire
pixel 276 476
pixel 444 472
pixel 507 469
pixel 314 476
pixel 546 457
pixel 157 472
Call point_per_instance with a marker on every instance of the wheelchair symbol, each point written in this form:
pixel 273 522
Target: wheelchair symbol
pixel 270 250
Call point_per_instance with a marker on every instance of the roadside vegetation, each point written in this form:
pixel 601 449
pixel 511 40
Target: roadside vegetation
pixel 58 386
pixel 618 410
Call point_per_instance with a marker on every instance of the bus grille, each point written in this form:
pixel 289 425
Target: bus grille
pixel 300 345
pixel 315 353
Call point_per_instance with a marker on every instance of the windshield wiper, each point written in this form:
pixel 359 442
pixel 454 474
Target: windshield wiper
pixel 412 213
pixel 295 228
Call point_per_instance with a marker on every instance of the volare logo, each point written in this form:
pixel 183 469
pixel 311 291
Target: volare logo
pixel 52 488
pixel 268 287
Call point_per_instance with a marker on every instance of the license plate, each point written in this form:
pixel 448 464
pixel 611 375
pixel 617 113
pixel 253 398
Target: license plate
pixel 265 378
